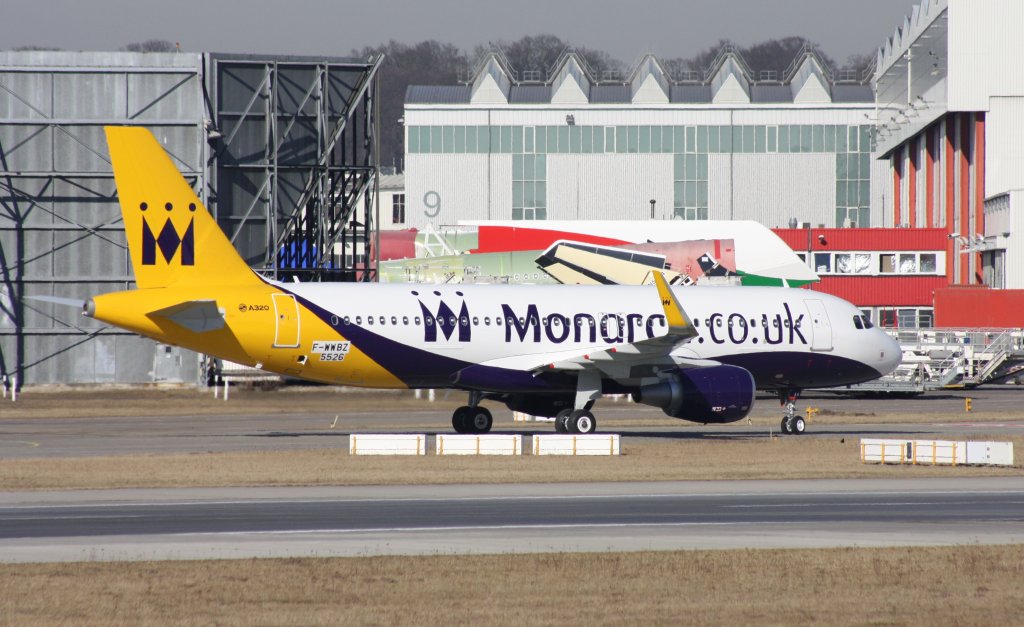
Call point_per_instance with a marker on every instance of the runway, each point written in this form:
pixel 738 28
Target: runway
pixel 288 522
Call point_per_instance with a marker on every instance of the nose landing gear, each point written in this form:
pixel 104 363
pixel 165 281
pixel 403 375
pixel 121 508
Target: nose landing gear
pixel 792 423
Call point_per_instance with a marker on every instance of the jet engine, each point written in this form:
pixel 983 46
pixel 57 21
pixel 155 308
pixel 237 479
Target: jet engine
pixel 713 394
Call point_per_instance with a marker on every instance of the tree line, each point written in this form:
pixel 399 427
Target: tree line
pixel 436 63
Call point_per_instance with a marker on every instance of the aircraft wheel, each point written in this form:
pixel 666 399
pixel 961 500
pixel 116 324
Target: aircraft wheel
pixel 786 426
pixel 562 421
pixel 478 420
pixel 798 426
pixel 460 419
pixel 582 421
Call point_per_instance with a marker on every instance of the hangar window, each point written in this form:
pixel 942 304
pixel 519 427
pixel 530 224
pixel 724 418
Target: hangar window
pixel 398 208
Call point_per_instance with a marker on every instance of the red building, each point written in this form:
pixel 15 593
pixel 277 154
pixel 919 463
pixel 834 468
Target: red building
pixel 891 274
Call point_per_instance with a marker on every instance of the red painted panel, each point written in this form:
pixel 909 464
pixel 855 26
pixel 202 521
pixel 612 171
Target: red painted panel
pixel 929 177
pixel 397 244
pixel 978 306
pixel 912 183
pixel 865 239
pixel 950 194
pixel 896 291
pixel 897 169
pixel 979 187
pixel 496 239
pixel 965 188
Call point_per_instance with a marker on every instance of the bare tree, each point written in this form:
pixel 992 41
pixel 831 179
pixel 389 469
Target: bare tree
pixel 860 62
pixel 773 55
pixel 540 53
pixel 425 63
pixel 153 45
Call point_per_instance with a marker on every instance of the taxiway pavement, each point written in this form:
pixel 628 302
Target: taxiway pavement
pixel 377 520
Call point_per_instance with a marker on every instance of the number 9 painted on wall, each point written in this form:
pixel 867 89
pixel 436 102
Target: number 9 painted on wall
pixel 432 200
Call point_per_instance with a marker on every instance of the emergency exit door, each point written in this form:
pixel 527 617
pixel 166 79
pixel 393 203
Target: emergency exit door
pixel 821 328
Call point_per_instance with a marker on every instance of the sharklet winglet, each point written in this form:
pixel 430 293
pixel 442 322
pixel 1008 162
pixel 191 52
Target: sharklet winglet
pixel 679 323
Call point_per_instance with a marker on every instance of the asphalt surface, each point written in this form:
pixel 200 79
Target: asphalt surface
pixel 84 437
pixel 275 522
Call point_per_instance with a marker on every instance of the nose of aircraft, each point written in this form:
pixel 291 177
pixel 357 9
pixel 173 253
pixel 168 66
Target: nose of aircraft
pixel 890 353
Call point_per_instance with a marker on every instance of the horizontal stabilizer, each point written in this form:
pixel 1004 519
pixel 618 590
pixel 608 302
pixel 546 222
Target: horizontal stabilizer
pixel 198 316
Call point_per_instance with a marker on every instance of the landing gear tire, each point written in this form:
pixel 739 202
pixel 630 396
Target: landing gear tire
pixel 582 421
pixel 479 420
pixel 562 421
pixel 798 426
pixel 468 419
pixel 787 428
pixel 460 419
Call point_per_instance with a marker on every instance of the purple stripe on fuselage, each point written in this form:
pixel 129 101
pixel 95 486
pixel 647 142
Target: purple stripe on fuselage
pixel 418 368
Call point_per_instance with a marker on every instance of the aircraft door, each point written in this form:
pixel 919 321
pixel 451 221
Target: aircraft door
pixel 286 313
pixel 821 328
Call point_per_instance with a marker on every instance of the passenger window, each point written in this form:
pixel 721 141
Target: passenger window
pixel 382 319
pixel 405 320
pixel 487 321
pixel 359 319
pixel 476 321
pixel 394 320
pixel 369 319
pixel 346 320
pixel 416 321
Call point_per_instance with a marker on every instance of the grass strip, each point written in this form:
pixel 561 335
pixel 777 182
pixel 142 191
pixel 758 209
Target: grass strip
pixel 733 458
pixel 969 585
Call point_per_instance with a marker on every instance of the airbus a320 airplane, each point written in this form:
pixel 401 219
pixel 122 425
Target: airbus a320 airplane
pixel 698 353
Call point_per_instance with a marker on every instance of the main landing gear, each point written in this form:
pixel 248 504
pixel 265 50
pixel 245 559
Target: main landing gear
pixel 792 422
pixel 472 418
pixel 579 419
pixel 575 421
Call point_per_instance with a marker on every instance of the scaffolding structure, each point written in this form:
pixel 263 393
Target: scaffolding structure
pixel 282 150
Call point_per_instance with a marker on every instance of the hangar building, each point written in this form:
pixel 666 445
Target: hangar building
pixel 724 144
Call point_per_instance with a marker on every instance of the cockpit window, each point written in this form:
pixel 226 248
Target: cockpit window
pixel 862 322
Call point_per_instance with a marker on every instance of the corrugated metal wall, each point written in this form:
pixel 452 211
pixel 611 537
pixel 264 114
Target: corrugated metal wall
pixel 984 48
pixel 578 187
pixel 60 232
pixel 1004 146
pixel 774 188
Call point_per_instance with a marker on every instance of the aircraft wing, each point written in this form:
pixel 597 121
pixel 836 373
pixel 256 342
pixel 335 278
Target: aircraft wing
pixel 614 360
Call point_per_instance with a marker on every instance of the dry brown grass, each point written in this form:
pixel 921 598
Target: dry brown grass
pixel 977 585
pixel 754 458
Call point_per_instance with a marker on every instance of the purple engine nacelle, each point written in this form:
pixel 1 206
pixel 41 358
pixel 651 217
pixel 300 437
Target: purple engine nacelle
pixel 713 394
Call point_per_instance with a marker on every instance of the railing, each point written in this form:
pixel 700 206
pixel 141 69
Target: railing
pixel 727 49
pixel 935 359
pixel 794 65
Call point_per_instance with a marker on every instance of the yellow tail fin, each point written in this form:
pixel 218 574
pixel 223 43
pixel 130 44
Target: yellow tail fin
pixel 172 238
